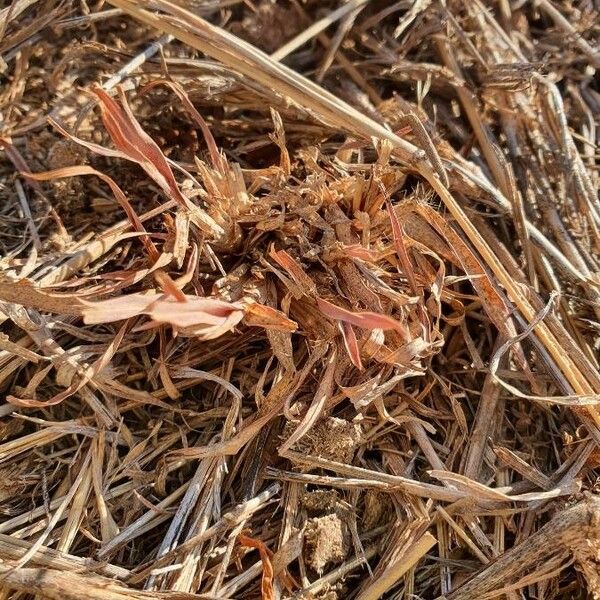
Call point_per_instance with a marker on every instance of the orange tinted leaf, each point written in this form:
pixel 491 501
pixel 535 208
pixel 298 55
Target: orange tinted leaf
pixel 365 320
pixel 196 311
pixel 358 251
pixel 266 587
pixel 208 317
pixel 259 315
pixel 295 271
pixel 128 136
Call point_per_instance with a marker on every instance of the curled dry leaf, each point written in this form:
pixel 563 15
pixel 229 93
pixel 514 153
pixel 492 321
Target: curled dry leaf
pixel 116 190
pixel 85 376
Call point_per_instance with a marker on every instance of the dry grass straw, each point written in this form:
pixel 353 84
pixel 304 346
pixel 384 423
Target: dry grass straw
pixel 299 300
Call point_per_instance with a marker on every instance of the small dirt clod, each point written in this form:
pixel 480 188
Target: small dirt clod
pixel 326 542
pixel 333 438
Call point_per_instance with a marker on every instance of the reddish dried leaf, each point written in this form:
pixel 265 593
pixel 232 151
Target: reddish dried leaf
pixel 207 317
pixel 358 251
pixel 295 271
pixel 116 309
pixel 266 587
pixel 136 145
pixel 128 136
pixel 197 312
pixel 351 344
pixel 365 320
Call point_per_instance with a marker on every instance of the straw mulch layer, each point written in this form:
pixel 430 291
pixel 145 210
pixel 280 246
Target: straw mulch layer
pixel 299 299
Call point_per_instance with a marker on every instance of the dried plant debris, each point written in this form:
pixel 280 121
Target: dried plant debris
pixel 299 299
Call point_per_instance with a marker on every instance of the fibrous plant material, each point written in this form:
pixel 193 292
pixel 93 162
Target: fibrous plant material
pixel 299 299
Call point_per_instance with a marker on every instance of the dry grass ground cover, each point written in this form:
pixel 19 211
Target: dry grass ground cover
pixel 299 299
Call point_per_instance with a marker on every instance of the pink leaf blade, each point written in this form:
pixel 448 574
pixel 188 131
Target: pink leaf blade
pixel 364 320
